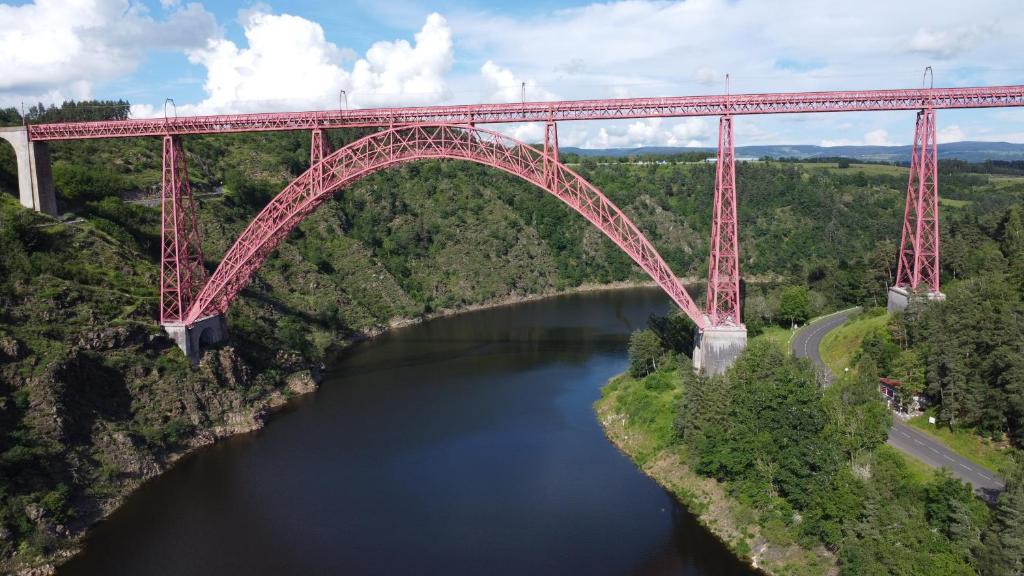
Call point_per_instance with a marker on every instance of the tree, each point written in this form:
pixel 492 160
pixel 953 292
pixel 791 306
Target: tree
pixel 644 352
pixel 795 305
pixel 909 370
pixel 1012 243
pixel 859 419
pixel 879 346
pixel 774 440
pixel 952 509
pixel 1002 544
pixel 1013 232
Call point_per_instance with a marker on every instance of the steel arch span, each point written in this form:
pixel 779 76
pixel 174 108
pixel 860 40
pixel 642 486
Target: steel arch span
pixel 402 144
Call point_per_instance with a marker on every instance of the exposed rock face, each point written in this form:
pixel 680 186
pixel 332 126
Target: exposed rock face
pixel 10 349
pixel 303 382
pixel 119 451
pixel 111 338
pixel 110 426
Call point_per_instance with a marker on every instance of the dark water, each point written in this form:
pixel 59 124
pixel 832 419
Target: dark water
pixel 466 445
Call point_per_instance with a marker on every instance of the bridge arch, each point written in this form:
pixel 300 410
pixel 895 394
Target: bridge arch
pixel 402 144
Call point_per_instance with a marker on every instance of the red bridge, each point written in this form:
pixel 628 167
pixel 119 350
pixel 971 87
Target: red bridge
pixel 193 303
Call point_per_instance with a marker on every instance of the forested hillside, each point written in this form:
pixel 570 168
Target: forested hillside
pixel 807 467
pixel 78 299
pixel 966 355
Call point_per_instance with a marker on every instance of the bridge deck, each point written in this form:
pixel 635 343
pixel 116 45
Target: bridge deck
pixel 567 110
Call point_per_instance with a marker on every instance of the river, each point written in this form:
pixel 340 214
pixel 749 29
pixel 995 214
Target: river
pixel 464 445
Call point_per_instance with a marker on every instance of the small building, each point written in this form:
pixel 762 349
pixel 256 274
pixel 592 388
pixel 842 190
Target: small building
pixel 889 388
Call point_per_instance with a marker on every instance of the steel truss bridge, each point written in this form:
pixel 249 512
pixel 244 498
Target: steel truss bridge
pixel 190 296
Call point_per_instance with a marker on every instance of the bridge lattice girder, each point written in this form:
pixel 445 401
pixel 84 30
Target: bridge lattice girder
pixel 559 111
pixel 432 141
pixel 181 256
pixel 723 297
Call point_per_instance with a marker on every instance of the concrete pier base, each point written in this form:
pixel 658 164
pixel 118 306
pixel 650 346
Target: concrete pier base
pixel 191 339
pixel 899 298
pixel 35 176
pixel 716 349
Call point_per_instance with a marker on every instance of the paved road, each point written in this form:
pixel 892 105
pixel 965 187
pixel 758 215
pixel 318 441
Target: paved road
pixel 986 483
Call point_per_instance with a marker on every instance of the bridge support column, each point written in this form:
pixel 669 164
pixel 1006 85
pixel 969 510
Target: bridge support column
pixel 550 154
pixel 917 274
pixel 203 332
pixel 35 176
pixel 899 298
pixel 716 348
pixel 181 259
pixel 319 148
pixel 723 297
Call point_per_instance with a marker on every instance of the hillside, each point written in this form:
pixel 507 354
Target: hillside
pixel 967 151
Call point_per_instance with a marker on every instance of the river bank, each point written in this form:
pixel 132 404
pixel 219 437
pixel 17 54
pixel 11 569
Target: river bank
pixel 735 525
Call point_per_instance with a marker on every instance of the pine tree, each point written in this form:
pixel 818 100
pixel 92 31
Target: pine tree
pixel 1002 545
pixel 644 352
pixel 1012 243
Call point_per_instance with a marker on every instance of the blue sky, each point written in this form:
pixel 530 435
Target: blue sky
pixel 216 57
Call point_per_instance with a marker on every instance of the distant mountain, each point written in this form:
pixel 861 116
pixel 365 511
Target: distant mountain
pixel 969 151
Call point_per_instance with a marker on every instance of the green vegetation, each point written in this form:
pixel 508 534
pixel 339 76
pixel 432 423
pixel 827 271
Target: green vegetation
pixel 808 470
pixel 994 455
pixel 795 305
pixel 839 346
pixel 644 353
pixel 777 335
pixel 1002 544
pixel 964 355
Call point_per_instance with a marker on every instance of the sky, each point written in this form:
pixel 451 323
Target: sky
pixel 217 57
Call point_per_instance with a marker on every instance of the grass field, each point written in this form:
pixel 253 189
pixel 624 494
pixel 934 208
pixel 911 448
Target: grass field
pixel 839 345
pixel 1003 181
pixel 776 335
pixel 870 169
pixel 918 470
pixel 953 203
pixel 996 456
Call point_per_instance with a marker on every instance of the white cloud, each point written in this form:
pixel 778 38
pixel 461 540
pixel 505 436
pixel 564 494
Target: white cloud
pixel 531 133
pixel 501 85
pixel 688 132
pixel 951 134
pixel 653 48
pixel 400 73
pixel 877 137
pixel 707 76
pixel 289 64
pixel 54 50
pixel 947 42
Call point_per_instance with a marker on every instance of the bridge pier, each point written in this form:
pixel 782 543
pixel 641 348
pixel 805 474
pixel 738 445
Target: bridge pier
pixel 716 348
pixel 35 177
pixel 918 269
pixel 900 297
pixel 203 332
